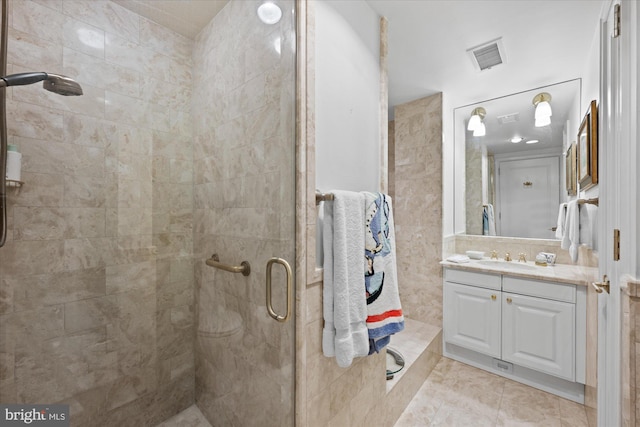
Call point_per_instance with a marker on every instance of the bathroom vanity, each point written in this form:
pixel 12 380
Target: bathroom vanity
pixel 518 320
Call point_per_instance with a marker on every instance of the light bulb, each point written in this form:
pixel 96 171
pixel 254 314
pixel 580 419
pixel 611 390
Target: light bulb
pixel 543 121
pixel 543 109
pixel 474 122
pixel 481 130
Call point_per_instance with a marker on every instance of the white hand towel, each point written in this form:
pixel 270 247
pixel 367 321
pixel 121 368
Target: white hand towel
pixel 458 259
pixel 571 238
pixel 588 225
pixel 345 333
pixel 562 216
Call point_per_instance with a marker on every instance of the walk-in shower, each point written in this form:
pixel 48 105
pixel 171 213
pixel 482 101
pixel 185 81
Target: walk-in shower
pixel 182 146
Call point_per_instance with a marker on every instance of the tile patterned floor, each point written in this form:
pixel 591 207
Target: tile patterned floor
pixel 456 394
pixel 459 395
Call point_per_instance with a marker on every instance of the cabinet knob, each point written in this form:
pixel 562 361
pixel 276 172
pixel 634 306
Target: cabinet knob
pixel 509 300
pixel 493 297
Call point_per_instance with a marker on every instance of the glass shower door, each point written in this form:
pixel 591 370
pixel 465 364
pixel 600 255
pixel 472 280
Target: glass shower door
pixel 244 164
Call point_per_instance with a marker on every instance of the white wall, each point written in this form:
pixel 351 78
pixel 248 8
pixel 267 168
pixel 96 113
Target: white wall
pixel 347 86
pixel 590 91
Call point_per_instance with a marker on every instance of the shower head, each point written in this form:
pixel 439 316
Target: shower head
pixel 55 83
pixel 62 85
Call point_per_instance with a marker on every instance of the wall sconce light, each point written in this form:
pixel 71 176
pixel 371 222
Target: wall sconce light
pixel 543 109
pixel 475 122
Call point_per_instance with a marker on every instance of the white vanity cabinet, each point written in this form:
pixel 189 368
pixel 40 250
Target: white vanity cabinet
pixel 472 318
pixel 537 327
pixel 539 334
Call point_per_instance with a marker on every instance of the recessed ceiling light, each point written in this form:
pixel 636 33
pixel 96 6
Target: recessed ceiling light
pixel 516 139
pixel 532 141
pixel 269 12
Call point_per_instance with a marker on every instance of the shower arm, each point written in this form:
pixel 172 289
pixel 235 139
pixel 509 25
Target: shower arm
pixel 3 126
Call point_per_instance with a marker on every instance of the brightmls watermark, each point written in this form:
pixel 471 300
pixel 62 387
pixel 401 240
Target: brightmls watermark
pixel 34 415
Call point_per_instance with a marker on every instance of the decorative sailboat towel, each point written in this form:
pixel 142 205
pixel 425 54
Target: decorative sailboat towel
pixel 384 313
pixel 344 306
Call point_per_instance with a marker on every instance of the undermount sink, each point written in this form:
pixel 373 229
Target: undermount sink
pixel 513 265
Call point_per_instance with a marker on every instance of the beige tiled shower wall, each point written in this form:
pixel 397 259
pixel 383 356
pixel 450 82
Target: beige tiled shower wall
pixel 243 105
pixel 96 279
pixel 418 207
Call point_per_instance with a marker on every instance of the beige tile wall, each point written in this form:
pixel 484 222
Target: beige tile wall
pixel 340 396
pixel 96 280
pixel 243 109
pixel 418 207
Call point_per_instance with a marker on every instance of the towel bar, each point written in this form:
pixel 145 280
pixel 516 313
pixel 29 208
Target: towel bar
pixel 594 201
pixel 323 197
pixel 243 268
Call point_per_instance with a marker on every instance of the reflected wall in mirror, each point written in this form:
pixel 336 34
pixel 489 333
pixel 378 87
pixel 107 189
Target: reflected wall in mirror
pixel 514 175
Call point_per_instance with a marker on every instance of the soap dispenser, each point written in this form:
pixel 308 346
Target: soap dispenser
pixel 14 163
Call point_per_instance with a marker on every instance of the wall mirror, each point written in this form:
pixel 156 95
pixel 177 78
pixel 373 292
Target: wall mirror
pixel 515 171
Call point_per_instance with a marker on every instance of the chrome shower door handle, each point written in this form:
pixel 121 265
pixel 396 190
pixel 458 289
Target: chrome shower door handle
pixel 287 267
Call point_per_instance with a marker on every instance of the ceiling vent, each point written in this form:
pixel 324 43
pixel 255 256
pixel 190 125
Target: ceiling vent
pixel 487 55
pixel 508 118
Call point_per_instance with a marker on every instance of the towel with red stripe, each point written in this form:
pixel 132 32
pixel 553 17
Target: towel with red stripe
pixel 384 312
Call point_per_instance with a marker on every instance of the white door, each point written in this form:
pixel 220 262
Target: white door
pixel 528 197
pixel 538 333
pixel 618 194
pixel 472 318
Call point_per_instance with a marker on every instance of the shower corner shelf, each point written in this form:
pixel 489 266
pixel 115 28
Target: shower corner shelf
pixel 15 184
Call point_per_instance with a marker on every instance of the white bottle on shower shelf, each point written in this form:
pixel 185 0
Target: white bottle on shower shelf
pixel 14 163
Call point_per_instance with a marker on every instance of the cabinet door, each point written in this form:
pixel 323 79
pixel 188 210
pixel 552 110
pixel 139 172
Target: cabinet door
pixel 539 334
pixel 472 318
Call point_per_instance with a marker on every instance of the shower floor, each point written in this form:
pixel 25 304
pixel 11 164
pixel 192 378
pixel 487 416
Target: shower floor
pixel 190 417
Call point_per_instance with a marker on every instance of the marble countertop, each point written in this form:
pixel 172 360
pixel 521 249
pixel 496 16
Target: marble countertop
pixel 562 273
